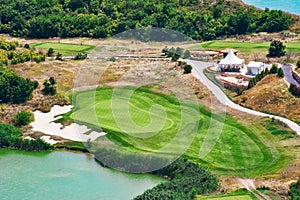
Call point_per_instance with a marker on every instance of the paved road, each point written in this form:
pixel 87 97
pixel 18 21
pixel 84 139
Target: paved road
pixel 288 76
pixel 197 71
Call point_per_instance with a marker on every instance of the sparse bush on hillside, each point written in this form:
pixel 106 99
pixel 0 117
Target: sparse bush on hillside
pixel 298 64
pixel 187 69
pixel 280 73
pixel 80 56
pixel 50 52
pixel 294 193
pixel 49 86
pixel 274 69
pixel 294 90
pixel 23 118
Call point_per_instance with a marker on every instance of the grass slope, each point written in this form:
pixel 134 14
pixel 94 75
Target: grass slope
pixel 64 48
pixel 240 150
pixel 246 47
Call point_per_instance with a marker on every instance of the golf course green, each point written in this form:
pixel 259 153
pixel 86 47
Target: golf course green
pixel 147 121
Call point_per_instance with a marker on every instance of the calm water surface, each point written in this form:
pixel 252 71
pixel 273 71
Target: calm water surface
pixel 65 176
pixel 292 6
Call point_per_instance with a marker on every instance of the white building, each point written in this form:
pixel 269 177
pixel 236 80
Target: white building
pixel 231 63
pixel 254 68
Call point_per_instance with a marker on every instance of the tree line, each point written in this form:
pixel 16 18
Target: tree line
pixel 201 20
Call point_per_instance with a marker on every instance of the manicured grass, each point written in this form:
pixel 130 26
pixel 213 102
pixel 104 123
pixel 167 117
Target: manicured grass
pixel 246 47
pixel 237 195
pixel 64 48
pixel 238 150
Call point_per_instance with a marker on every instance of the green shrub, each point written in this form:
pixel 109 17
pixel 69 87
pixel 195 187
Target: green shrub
pixel 50 52
pixel 295 191
pixel 23 118
pixel 14 88
pixel 280 73
pixel 49 86
pixel 274 69
pixel 187 69
pixel 298 64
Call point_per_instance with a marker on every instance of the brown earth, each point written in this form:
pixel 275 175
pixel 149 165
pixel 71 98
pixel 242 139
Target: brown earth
pixel 271 95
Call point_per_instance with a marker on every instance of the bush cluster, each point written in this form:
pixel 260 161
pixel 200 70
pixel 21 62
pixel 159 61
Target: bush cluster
pixel 14 88
pixel 11 137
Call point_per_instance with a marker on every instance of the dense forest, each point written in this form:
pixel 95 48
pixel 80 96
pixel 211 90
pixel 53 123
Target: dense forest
pixel 201 20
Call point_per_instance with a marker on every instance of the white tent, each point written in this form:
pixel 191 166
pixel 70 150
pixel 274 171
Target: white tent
pixel 254 68
pixel 231 62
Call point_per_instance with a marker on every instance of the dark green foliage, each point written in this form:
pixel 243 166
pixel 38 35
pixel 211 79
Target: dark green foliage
pixel 58 56
pixel 186 54
pixel 276 49
pixel 255 80
pixel 50 52
pixel 187 69
pixel 274 69
pixel 49 86
pixel 201 20
pixel 280 73
pixel 26 46
pixel 173 53
pixel 23 118
pixel 80 56
pixel 35 84
pixel 14 88
pixel 298 64
pixel 294 90
pixel 11 137
pixel 187 179
pixel 294 193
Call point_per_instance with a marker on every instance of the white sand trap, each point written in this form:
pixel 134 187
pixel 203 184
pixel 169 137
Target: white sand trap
pixel 44 123
pixel 49 140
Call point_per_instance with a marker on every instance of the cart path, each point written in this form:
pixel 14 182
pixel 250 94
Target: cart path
pixel 197 71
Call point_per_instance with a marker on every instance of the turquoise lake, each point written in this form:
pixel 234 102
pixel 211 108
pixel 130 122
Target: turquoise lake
pixel 65 176
pixel 292 6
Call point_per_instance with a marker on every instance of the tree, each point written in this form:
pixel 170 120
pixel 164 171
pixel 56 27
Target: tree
pixel 295 191
pixel 187 54
pixel 276 49
pixel 14 88
pixel 23 118
pixel 274 69
pixel 298 64
pixel 58 56
pixel 280 73
pixel 49 87
pixel 50 52
pixel 187 69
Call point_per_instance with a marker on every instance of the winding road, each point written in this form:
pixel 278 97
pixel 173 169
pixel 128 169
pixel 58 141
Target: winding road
pixel 197 71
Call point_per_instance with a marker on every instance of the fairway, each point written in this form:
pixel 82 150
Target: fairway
pixel 64 48
pixel 147 121
pixel 246 47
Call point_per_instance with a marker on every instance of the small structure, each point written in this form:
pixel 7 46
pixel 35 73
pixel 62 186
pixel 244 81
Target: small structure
pixel 254 68
pixel 231 63
pixel 226 51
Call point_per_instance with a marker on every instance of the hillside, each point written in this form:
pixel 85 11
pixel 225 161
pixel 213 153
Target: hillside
pixel 201 20
pixel 271 95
